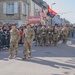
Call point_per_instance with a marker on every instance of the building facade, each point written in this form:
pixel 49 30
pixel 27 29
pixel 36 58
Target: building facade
pixel 38 11
pixel 14 11
pixel 34 16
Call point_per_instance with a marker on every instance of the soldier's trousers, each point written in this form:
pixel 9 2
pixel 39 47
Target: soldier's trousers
pixel 55 39
pixel 50 40
pixel 13 47
pixel 37 39
pixel 43 40
pixel 72 34
pixel 27 46
pixel 65 39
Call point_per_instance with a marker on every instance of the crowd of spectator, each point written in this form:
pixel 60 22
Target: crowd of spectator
pixel 5 36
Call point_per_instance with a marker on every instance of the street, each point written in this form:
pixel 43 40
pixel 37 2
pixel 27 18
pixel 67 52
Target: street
pixel 45 61
pixel 46 27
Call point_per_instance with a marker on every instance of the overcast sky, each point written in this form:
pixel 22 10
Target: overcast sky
pixel 65 8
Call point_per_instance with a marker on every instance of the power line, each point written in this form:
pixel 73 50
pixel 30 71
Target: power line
pixel 69 12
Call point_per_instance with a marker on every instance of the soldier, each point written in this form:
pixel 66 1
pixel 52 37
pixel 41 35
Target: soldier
pixel 72 31
pixel 68 31
pixel 49 35
pixel 37 35
pixel 55 35
pixel 28 39
pixel 35 30
pixel 14 40
pixel 64 34
pixel 43 35
pixel 60 33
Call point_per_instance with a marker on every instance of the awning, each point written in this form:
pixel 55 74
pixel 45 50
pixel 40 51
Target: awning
pixel 34 19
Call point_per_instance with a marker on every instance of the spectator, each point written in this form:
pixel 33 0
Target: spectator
pixel 21 33
pixel 1 36
pixel 6 36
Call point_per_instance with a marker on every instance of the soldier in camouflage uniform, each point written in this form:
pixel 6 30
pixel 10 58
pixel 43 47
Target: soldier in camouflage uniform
pixel 43 35
pixel 72 31
pixel 14 39
pixel 49 35
pixel 60 33
pixel 55 35
pixel 64 34
pixel 28 40
pixel 69 31
pixel 38 35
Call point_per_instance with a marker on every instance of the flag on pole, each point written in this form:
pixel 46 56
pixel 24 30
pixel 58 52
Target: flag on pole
pixel 51 12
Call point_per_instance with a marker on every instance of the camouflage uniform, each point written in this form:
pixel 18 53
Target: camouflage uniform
pixel 72 31
pixel 60 34
pixel 55 36
pixel 49 35
pixel 43 36
pixel 14 39
pixel 28 39
pixel 64 34
pixel 37 36
pixel 69 31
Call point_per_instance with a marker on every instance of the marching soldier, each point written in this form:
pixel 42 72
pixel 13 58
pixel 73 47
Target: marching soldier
pixel 59 33
pixel 14 40
pixel 38 35
pixel 50 35
pixel 69 31
pixel 64 34
pixel 43 34
pixel 55 35
pixel 28 39
pixel 72 31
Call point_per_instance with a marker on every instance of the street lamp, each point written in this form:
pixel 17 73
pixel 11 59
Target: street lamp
pixel 51 12
pixel 52 4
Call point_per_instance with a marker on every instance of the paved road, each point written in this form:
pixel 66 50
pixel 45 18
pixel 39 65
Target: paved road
pixel 45 61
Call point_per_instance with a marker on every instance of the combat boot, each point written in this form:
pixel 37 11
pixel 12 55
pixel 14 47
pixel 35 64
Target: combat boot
pixel 29 55
pixel 10 57
pixel 24 57
pixel 15 56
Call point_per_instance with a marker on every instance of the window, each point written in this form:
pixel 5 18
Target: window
pixel 23 8
pixel 37 12
pixel 27 9
pixel 10 8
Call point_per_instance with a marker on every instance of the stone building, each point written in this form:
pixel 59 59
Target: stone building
pixel 14 11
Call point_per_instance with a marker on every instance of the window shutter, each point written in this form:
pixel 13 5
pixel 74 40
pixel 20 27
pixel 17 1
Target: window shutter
pixel 27 11
pixel 8 8
pixel 15 7
pixel 23 11
pixel 4 8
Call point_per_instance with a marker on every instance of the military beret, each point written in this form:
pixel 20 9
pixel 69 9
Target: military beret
pixel 28 24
